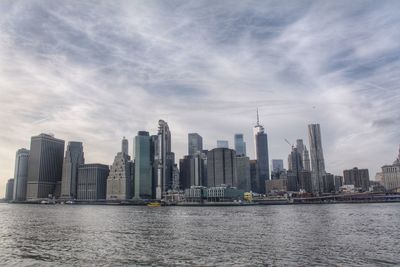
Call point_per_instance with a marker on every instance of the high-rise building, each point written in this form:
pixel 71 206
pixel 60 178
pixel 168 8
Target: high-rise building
pixel 125 146
pixel 357 177
pixel 92 182
pixel 143 166
pixel 391 174
pixel 306 159
pixel 317 156
pixel 328 183
pixel 20 174
pixel 305 182
pixel 195 143
pixel 175 178
pixel 243 173
pixel 222 144
pixel 261 150
pixel 338 182
pixel 240 145
pixel 165 159
pixel 300 147
pixel 119 181
pixel 295 163
pixel 45 167
pixel 9 189
pixel 277 165
pixel 74 157
pixel 254 182
pixel 221 167
pixel 193 171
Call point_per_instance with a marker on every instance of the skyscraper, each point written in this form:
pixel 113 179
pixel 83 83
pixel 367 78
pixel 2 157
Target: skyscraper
pixel 261 150
pixel 300 147
pixel 193 171
pixel 243 173
pixel 44 166
pixel 20 174
pixel 222 144
pixel 9 189
pixel 306 160
pixel 165 159
pixel 221 167
pixel 119 181
pixel 92 182
pixel 125 146
pixel 195 143
pixel 240 145
pixel 295 164
pixel 74 157
pixel 277 165
pixel 143 166
pixel 357 177
pixel 317 156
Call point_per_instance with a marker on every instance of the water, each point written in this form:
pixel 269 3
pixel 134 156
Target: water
pixel 301 235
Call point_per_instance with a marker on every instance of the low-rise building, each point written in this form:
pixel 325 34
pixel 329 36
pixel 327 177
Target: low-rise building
pixel 224 193
pixel 277 185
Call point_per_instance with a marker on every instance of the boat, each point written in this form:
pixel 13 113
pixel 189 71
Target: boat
pixel 154 204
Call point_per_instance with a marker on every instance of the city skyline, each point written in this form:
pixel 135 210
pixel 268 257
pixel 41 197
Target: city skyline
pixel 182 63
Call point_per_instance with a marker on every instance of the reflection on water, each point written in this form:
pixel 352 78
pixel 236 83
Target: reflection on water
pixel 334 235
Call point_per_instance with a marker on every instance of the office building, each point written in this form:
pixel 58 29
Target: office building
pixel 165 160
pixel 277 168
pixel 20 174
pixel 222 144
pixel 328 183
pixel 119 181
pixel 292 181
pixel 240 145
pixel 221 167
pixel 254 181
pixel 357 177
pixel 391 175
pixel 338 182
pixel 276 186
pixel 143 166
pixel 125 146
pixel 306 160
pixel 45 167
pixel 195 143
pixel 300 147
pixel 74 157
pixel 261 150
pixel 9 189
pixel 317 156
pixel 193 171
pixel 92 182
pixel 243 173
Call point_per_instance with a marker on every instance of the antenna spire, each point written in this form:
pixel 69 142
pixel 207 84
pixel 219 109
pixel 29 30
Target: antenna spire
pixel 258 118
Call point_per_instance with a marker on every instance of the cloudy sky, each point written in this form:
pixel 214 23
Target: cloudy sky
pixel 96 71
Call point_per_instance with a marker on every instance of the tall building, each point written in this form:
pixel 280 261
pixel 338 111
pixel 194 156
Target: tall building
pixel 165 159
pixel 222 144
pixel 119 181
pixel 143 166
pixel 328 182
pixel 295 164
pixel 357 177
pixel 277 165
pixel 305 182
pixel 9 189
pixel 240 145
pixel 261 150
pixel 74 157
pixel 125 146
pixel 44 167
pixel 92 182
pixel 221 167
pixel 243 173
pixel 306 159
pixel 193 171
pixel 317 156
pixel 254 182
pixel 300 147
pixel 20 174
pixel 195 143
pixel 391 175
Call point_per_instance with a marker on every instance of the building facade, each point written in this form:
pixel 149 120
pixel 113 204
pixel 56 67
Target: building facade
pixel 9 189
pixel 306 159
pixel 20 174
pixel 195 143
pixel 74 157
pixel 45 167
pixel 391 175
pixel 222 144
pixel 125 146
pixel 143 166
pixel 328 183
pixel 92 182
pixel 357 177
pixel 240 145
pixel 243 173
pixel 119 181
pixel 317 156
pixel 221 167
pixel 193 171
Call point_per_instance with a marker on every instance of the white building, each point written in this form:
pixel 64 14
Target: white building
pixel 391 175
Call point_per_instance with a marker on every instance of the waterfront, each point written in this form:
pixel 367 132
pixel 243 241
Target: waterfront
pixel 342 234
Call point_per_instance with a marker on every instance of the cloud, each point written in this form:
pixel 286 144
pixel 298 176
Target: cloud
pixel 97 71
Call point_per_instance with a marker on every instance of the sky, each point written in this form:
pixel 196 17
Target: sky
pixel 95 71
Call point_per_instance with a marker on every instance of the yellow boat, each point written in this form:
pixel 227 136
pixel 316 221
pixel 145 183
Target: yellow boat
pixel 154 204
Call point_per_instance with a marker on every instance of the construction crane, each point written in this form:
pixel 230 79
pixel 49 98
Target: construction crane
pixel 289 143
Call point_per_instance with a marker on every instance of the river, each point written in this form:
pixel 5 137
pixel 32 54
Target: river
pixel 292 235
